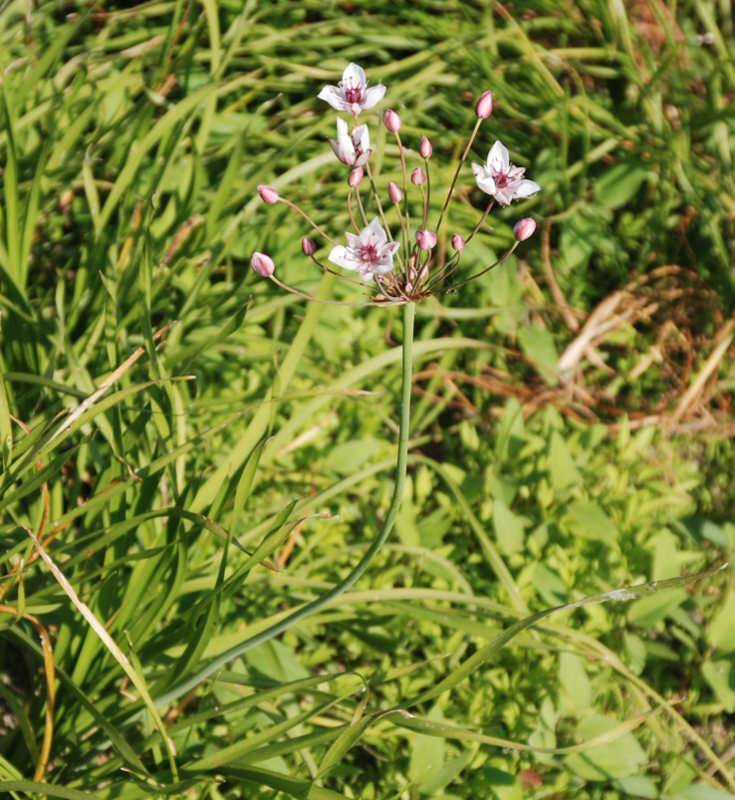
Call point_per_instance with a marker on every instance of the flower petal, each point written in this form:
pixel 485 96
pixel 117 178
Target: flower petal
pixel 354 75
pixel 373 96
pixel 353 241
pixel 343 257
pixel 374 233
pixel 498 158
pixel 526 188
pixel 333 96
pixel 361 137
pixel 484 179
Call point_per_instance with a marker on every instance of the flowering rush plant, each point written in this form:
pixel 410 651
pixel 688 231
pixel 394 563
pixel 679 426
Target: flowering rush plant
pixel 402 263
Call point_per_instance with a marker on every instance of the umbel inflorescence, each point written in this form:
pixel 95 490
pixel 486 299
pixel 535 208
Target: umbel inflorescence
pixel 404 267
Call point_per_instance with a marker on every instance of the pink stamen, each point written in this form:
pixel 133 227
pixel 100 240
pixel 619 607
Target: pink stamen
pixel 353 94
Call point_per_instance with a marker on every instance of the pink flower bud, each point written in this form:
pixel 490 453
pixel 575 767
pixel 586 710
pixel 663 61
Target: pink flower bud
pixel 426 240
pixel 262 264
pixel 308 246
pixel 425 148
pixel 418 177
pixel 356 176
pixel 484 106
pixel 458 242
pixel 268 194
pixel 524 229
pixel 395 194
pixel 392 121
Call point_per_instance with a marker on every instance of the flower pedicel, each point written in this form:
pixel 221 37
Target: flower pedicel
pixel 405 268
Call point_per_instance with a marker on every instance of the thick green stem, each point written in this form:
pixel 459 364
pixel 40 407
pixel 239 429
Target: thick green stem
pixel 409 311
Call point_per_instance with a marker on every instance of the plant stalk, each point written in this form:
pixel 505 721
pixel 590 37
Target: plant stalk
pixel 409 311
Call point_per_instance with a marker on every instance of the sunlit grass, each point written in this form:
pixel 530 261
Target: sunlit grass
pixel 241 460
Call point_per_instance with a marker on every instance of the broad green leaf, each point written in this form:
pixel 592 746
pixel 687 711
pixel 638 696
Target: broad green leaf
pixel 574 682
pixel 562 469
pixel 721 631
pixel 587 520
pixel 635 649
pixel 511 433
pixel 700 791
pixel 577 241
pixel 348 457
pixel 549 585
pixel 647 611
pixel 448 773
pixel 619 184
pixel 427 754
pixel 509 528
pixel 720 675
pixel 276 661
pixel 637 786
pixel 503 785
pixel 538 345
pixel 619 759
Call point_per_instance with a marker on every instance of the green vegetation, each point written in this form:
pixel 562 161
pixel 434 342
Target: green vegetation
pixel 189 454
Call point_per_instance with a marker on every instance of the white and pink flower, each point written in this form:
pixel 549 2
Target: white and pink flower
pixel 501 179
pixel 370 253
pixel 352 93
pixel 353 148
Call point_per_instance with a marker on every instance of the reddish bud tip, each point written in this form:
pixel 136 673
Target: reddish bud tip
pixel 458 242
pixel 418 177
pixel 484 106
pixel 356 176
pixel 524 229
pixel 426 240
pixel 268 194
pixel 392 121
pixel 308 246
pixel 395 194
pixel 262 264
pixel 425 148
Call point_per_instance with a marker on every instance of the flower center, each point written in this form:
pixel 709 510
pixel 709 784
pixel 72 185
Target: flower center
pixel 369 253
pixel 502 179
pixel 353 94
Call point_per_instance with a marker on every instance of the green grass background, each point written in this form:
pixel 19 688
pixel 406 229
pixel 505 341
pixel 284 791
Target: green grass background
pixel 133 138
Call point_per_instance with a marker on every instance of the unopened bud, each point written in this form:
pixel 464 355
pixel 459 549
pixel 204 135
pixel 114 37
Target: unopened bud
pixel 268 194
pixel 391 120
pixel 356 176
pixel 413 274
pixel 425 148
pixel 426 240
pixel 262 264
pixel 418 177
pixel 308 246
pixel 458 242
pixel 395 194
pixel 484 106
pixel 524 229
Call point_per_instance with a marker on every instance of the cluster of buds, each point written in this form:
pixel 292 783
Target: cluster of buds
pixel 404 268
